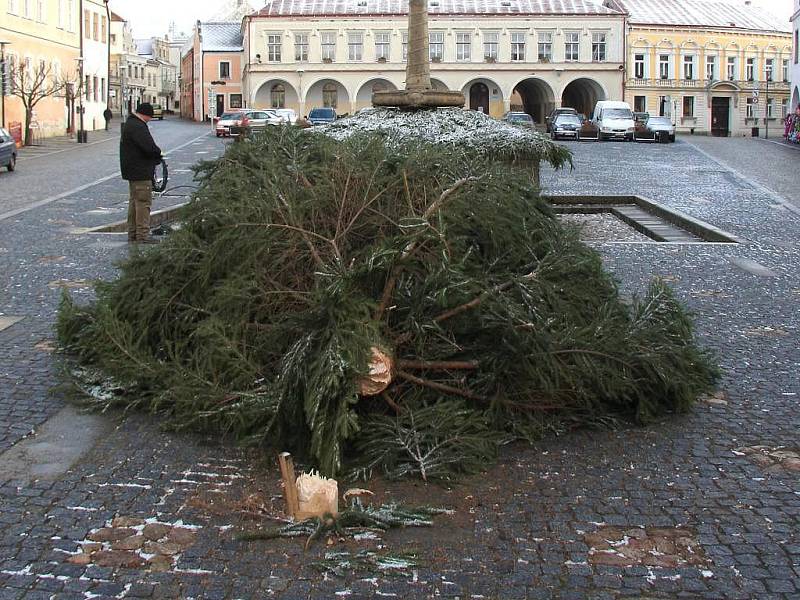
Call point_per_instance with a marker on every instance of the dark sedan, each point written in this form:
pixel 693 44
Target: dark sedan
pixel 8 150
pixel 566 126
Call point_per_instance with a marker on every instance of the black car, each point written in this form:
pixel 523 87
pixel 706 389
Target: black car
pixel 8 150
pixel 566 125
pixel 555 113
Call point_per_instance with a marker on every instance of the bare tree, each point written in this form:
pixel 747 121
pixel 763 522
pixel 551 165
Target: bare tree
pixel 32 84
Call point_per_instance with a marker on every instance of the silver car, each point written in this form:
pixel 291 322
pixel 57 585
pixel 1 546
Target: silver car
pixel 655 129
pixel 8 150
pixel 255 120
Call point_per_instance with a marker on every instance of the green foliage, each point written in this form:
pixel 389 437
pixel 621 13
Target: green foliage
pixel 300 253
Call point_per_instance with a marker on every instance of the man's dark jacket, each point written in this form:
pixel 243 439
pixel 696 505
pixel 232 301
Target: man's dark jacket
pixel 138 153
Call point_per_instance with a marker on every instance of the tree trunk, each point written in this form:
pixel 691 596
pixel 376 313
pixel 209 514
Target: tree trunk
pixel 28 132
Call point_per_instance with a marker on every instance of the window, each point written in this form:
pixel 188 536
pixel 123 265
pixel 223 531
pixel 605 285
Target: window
pixel 640 103
pixel 277 96
pixel 688 106
pixel 436 45
pixel 87 87
pixel 711 68
pixel 95 27
pixel 785 70
pixel 732 68
pixel 87 24
pixel 274 47
pixel 355 46
pixel 382 45
pixel 404 42
pixel 491 44
pixel 688 68
pixel 235 101
pixel 751 108
pixel 224 70
pixel 103 29
pixel 463 46
pixel 571 46
pixel 750 69
pixel 769 69
pixel 71 15
pixel 518 46
pixel 663 66
pixel 638 67
pixel 12 7
pixel 598 47
pixel 328 41
pixel 784 108
pixel 664 106
pixel 330 96
pixel 545 46
pixel 102 89
pixel 41 13
pixel 26 9
pixel 771 108
pixel 301 47
pixel 61 14
pixel 796 46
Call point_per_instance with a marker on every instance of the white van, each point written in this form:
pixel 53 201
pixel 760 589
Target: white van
pixel 614 120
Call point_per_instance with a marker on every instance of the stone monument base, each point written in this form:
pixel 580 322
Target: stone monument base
pixel 418 98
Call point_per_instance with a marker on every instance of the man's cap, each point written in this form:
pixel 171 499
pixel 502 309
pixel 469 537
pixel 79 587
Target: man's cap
pixel 146 109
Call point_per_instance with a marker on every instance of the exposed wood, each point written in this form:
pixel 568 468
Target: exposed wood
pixel 289 484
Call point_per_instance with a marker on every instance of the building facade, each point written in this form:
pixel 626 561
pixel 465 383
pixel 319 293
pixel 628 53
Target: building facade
pixel 713 67
pixel 128 69
pixel 41 36
pixel 502 54
pixel 211 70
pixel 96 54
pixel 160 73
pixel 795 102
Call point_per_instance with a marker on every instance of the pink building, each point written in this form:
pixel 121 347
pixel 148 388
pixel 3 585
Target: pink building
pixel 212 69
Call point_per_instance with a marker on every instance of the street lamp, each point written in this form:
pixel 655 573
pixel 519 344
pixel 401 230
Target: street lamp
pixel 81 132
pixel 3 67
pixel 212 108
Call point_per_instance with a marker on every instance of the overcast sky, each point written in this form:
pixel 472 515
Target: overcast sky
pixel 152 17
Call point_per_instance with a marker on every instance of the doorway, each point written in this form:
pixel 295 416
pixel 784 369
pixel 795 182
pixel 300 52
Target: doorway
pixel 479 97
pixel 220 105
pixel 720 116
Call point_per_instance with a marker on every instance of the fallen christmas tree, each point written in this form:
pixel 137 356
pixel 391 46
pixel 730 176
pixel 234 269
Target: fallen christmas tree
pixel 375 305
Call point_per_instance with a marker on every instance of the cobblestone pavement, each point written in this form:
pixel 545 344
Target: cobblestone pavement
pixel 702 506
pixel 773 165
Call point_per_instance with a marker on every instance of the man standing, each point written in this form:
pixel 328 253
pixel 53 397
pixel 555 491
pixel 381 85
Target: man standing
pixel 107 115
pixel 138 157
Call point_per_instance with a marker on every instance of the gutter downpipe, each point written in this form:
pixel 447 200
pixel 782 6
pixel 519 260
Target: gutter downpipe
pixel 108 57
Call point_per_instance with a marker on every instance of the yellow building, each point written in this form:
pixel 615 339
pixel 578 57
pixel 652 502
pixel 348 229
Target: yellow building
pixel 714 67
pixel 41 35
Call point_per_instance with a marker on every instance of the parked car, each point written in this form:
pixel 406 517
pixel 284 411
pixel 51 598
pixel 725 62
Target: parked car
pixel 322 116
pixel 158 112
pixel 614 119
pixel 641 117
pixel 655 129
pixel 8 150
pixel 287 114
pixel 565 125
pixel 519 118
pixel 224 122
pixel 251 121
pixel 588 130
pixel 555 113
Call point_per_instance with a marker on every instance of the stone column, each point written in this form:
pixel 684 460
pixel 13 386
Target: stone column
pixel 418 70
